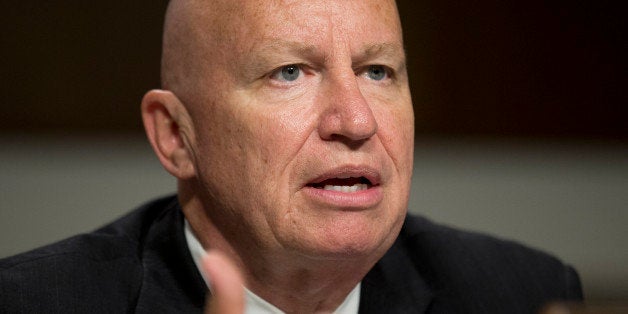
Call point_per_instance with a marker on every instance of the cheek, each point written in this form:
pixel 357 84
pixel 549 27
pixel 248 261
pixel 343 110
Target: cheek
pixel 281 134
pixel 396 132
pixel 261 145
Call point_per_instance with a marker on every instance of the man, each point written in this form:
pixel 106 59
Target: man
pixel 289 127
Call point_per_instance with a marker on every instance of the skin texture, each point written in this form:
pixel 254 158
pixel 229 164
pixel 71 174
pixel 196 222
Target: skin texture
pixel 247 145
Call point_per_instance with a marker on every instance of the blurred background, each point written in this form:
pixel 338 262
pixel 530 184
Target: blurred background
pixel 520 106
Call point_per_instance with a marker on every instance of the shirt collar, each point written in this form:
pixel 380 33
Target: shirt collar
pixel 253 303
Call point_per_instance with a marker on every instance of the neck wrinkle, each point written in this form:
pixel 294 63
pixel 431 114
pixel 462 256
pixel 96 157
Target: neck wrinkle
pixel 331 297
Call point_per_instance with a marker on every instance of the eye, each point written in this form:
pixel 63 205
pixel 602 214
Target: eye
pixel 377 72
pixel 287 73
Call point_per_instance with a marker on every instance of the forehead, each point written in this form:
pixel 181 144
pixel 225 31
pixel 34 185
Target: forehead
pixel 348 22
pixel 223 36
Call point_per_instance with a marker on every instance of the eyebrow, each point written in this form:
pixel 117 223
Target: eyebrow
pixel 291 46
pixel 268 50
pixel 390 50
pixel 265 53
pixel 268 54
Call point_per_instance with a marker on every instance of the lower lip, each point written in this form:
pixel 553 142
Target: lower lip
pixel 349 201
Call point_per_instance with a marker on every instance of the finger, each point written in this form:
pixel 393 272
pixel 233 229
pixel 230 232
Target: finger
pixel 226 283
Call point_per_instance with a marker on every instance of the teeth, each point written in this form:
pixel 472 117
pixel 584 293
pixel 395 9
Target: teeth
pixel 346 188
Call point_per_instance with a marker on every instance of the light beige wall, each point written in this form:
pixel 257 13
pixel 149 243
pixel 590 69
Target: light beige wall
pixel 568 198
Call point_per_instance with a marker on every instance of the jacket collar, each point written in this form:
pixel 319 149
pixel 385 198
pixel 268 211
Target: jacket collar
pixel 394 285
pixel 171 281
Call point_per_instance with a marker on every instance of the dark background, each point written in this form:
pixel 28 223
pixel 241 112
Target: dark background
pixel 541 69
pixel 520 111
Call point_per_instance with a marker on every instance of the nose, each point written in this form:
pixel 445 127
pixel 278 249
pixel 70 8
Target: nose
pixel 347 115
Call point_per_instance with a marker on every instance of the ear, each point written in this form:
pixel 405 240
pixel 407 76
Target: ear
pixel 169 130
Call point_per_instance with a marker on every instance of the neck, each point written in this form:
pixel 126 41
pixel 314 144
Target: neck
pixel 319 289
pixel 291 282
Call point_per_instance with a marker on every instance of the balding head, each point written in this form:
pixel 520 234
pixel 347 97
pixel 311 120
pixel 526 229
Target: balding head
pixel 190 30
pixel 199 32
pixel 289 125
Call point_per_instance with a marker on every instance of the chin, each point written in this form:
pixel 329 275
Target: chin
pixel 364 243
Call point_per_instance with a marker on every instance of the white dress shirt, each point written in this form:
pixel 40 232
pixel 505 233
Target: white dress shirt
pixel 253 303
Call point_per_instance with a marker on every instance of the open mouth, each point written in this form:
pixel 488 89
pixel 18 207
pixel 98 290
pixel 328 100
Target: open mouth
pixel 345 185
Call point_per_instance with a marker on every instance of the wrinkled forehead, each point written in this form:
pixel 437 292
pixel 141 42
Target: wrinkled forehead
pixel 198 31
pixel 228 20
pixel 317 21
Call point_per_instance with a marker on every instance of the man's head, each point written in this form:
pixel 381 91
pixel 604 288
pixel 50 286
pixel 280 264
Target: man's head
pixel 289 124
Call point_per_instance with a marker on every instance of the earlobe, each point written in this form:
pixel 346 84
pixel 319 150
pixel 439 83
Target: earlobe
pixel 168 128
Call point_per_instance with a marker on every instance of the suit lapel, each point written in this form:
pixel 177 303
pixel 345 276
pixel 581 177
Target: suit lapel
pixel 394 286
pixel 171 280
pixel 172 283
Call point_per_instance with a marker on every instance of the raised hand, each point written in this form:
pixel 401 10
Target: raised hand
pixel 227 285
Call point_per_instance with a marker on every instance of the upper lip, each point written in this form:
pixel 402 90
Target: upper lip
pixel 369 173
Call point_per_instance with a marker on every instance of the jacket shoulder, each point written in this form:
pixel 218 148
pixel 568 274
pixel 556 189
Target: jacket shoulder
pixel 485 272
pixel 91 272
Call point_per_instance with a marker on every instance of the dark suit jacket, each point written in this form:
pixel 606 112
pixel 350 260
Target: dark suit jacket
pixel 141 263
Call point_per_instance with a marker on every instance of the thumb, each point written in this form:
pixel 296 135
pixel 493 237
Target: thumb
pixel 227 286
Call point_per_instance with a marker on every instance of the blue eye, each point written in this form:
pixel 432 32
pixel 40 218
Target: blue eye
pixel 376 72
pixel 290 73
